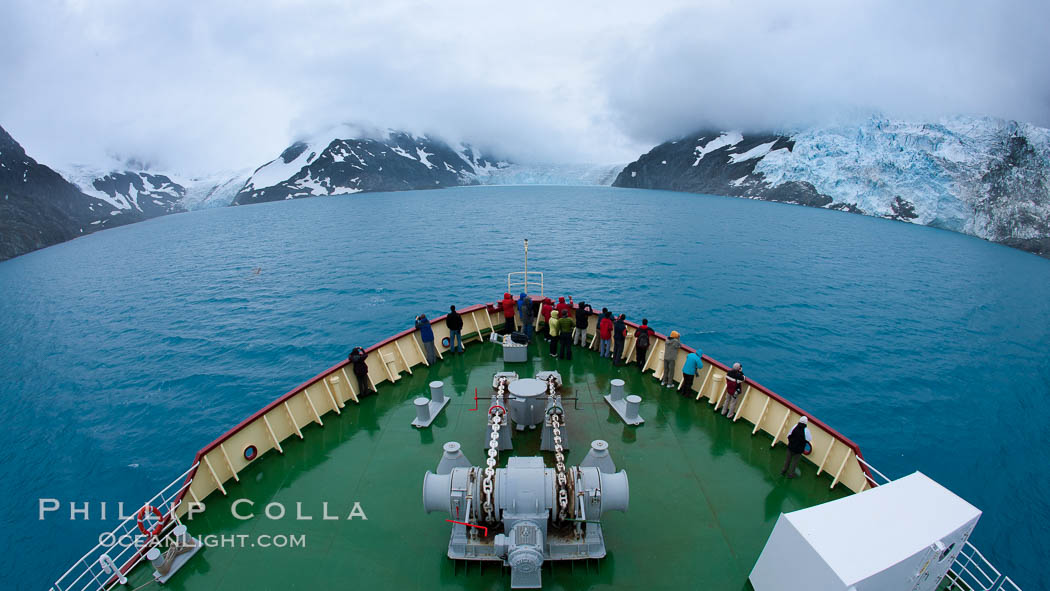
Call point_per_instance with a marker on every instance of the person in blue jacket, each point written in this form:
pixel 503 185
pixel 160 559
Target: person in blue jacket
pixel 426 334
pixel 525 311
pixel 694 362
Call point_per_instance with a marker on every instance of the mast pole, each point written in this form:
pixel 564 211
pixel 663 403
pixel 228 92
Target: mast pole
pixel 526 265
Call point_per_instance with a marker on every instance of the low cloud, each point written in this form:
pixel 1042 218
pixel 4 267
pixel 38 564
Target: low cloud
pixel 768 65
pixel 209 86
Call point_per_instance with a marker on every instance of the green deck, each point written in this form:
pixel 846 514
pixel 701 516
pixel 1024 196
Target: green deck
pixel 705 493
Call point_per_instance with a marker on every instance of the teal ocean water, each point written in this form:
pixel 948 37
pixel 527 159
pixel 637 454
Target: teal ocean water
pixel 126 351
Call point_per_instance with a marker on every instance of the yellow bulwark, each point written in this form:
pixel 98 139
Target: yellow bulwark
pixel 224 458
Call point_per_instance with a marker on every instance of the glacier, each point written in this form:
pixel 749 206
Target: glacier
pixel 982 176
pixel 550 174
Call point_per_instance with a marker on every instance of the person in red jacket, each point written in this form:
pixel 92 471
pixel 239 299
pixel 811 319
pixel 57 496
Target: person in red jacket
pixel 509 308
pixel 545 313
pixel 605 330
pixel 563 308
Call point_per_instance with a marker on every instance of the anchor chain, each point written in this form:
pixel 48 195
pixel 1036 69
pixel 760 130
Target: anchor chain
pixel 487 483
pixel 562 479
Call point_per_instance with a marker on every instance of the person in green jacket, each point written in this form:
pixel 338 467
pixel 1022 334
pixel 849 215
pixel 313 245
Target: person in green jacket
pixel 565 326
pixel 552 330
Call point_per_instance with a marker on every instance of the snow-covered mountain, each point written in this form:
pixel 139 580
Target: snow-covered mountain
pixel 155 193
pixel 388 161
pixel 39 208
pixel 985 177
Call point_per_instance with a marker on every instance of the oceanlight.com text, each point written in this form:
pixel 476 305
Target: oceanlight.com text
pixel 109 540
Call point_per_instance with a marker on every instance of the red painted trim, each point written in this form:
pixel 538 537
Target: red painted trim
pixel 813 420
pixel 491 308
pixel 288 395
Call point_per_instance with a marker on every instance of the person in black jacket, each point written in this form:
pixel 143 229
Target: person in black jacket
pixel 734 388
pixel 357 357
pixel 619 335
pixel 583 313
pixel 642 337
pixel 454 322
pixel 797 440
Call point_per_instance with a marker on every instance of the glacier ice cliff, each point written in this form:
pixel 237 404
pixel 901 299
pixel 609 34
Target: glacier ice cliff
pixel 981 176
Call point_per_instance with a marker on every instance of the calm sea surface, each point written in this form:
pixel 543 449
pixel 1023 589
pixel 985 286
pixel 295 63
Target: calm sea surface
pixel 126 351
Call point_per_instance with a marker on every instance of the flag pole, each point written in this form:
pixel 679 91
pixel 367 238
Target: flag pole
pixel 526 265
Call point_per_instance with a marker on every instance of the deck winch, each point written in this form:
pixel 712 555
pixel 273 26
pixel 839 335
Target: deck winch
pixel 526 524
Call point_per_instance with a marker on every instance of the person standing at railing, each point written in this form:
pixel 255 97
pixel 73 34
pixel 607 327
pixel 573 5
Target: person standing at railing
pixel 563 307
pixel 671 347
pixel 509 307
pixel 454 322
pixel 565 326
pixel 734 387
pixel 619 336
pixel 527 314
pixel 426 334
pixel 545 315
pixel 694 362
pixel 552 331
pixel 605 330
pixel 797 440
pixel 357 357
pixel 641 342
pixel 583 314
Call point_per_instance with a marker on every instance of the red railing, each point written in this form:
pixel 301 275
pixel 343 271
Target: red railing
pixel 492 308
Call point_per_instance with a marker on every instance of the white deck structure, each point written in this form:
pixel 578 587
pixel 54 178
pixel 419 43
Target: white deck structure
pixel 903 535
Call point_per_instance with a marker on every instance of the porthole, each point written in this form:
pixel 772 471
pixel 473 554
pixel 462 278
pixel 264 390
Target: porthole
pixel 250 452
pixel 946 552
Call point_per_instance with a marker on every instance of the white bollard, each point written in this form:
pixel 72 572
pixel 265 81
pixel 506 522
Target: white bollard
pixel 437 391
pixel 155 557
pixel 599 457
pixel 179 532
pixel 616 392
pixel 452 458
pixel 422 410
pixel 631 412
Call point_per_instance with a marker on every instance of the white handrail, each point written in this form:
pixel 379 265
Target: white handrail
pixel 970 568
pixel 524 282
pixel 89 565
pixel 872 468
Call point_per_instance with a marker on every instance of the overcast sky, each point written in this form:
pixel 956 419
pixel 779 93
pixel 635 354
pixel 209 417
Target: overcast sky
pixel 200 86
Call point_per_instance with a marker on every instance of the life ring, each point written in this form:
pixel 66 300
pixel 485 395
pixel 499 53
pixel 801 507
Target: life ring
pixel 808 450
pixel 445 342
pixel 142 517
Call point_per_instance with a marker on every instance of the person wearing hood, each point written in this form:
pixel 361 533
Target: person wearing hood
pixel 545 314
pixel 619 336
pixel 509 307
pixel 642 335
pixel 563 308
pixel 583 313
pixel 357 357
pixel 734 387
pixel 526 313
pixel 797 441
pixel 426 334
pixel 552 330
pixel 694 362
pixel 605 331
pixel 454 323
pixel 671 347
pixel 565 326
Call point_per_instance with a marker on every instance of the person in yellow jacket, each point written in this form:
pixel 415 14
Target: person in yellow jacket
pixel 552 328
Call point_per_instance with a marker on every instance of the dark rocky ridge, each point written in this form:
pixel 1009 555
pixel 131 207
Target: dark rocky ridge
pixel 39 208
